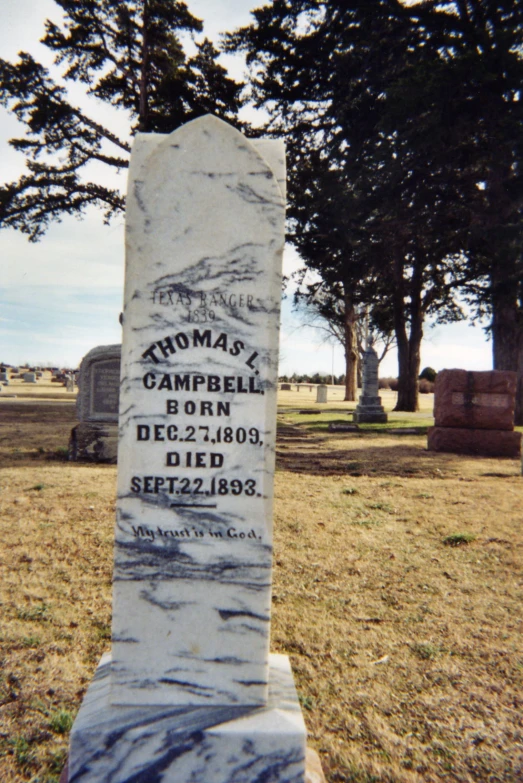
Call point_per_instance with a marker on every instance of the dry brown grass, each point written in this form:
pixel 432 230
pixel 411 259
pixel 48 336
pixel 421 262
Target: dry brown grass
pixel 335 396
pixel 43 389
pixel 406 650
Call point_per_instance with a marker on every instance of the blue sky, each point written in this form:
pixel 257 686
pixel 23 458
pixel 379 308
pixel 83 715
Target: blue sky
pixel 62 296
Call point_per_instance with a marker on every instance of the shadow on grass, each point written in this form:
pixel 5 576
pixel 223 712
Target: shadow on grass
pixel 35 432
pixel 390 427
pixel 375 460
pixel 366 455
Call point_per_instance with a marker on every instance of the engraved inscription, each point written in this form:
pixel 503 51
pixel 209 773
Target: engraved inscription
pixel 105 387
pixel 202 307
pixel 207 446
pixel 481 398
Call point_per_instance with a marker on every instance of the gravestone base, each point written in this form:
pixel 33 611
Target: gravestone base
pixel 369 411
pixel 94 442
pixel 480 443
pixel 369 416
pixel 182 744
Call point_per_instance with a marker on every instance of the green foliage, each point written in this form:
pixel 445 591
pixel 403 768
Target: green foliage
pixel 30 641
pixel 126 54
pixel 366 522
pixel 61 722
pixel 23 753
pixel 103 629
pixel 382 507
pixel 404 145
pixel 459 539
pixel 36 613
pixel 56 763
pixel 428 374
pixel 307 702
pixel 368 208
pixel 425 650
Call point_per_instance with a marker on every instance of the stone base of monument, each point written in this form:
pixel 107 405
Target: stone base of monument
pixel 481 443
pixel 369 411
pixel 190 744
pixel 94 442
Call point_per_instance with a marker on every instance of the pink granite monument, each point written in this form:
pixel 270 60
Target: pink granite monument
pixel 474 414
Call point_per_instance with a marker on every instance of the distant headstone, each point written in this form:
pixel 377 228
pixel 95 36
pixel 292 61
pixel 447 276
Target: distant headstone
pixel 99 384
pixel 286 387
pixel 191 693
pixel 4 376
pixel 369 408
pixel 95 438
pixel 474 413
pixel 321 393
pixel 29 377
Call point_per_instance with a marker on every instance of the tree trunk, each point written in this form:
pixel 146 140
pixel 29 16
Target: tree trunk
pixel 507 331
pixel 351 349
pixel 143 114
pixel 409 345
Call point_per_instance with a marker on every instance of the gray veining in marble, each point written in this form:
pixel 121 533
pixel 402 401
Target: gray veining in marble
pixel 190 693
pixel 111 744
pixel 204 239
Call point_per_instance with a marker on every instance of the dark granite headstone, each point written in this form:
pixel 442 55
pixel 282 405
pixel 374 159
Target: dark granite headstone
pixel 95 439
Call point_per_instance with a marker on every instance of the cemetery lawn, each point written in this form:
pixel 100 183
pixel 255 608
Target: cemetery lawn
pixel 397 593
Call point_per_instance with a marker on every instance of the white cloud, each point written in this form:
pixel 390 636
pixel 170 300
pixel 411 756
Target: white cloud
pixel 74 253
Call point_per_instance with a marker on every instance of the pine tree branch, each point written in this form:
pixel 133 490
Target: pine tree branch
pixel 100 129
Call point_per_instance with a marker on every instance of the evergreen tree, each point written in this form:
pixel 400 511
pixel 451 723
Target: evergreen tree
pixel 467 111
pixel 370 211
pixel 127 54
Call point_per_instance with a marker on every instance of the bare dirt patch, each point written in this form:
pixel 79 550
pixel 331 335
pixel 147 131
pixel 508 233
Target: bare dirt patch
pixel 398 585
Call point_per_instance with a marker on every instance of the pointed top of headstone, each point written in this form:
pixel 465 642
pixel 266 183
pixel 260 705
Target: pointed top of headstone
pixel 216 144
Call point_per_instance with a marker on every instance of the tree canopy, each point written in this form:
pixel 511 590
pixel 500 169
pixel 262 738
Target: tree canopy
pixel 127 54
pixel 404 128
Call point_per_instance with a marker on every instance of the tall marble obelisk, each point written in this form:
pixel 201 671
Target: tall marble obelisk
pixel 191 694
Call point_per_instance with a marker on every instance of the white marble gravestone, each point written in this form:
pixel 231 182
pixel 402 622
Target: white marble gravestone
pixel 369 408
pixel 191 691
pixel 322 393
